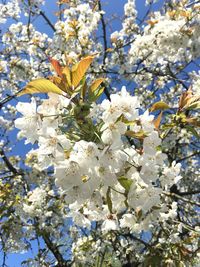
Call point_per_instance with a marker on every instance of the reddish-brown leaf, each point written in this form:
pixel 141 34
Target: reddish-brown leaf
pixel 56 65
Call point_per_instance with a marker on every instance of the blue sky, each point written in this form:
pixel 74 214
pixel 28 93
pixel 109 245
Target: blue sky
pixel 110 6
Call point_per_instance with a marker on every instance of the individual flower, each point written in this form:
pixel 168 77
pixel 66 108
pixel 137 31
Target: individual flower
pixel 30 122
pixel 110 224
pixel 120 104
pixel 171 174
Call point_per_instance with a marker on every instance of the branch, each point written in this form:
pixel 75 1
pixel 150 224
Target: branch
pixel 193 3
pixel 3 264
pixel 104 34
pixel 182 198
pixel 54 249
pixel 190 156
pixel 105 46
pixel 47 20
pixel 142 241
pixel 189 193
pixel 138 239
pixel 7 99
pixel 175 190
pixel 50 245
pixel 8 163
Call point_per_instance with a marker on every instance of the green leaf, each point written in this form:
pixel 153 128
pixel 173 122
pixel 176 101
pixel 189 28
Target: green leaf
pixel 93 96
pixel 194 105
pixel 160 105
pixel 108 199
pixel 137 135
pixel 153 261
pixel 168 125
pixel 41 86
pixel 83 88
pixel 125 183
pixel 96 84
pixel 127 122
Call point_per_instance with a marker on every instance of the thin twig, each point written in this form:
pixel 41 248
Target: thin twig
pixel 182 198
pixel 8 163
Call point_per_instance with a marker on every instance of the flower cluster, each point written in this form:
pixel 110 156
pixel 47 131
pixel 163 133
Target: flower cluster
pixel 75 31
pixel 99 177
pixel 166 39
pixel 23 39
pixel 107 176
pixel 9 10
